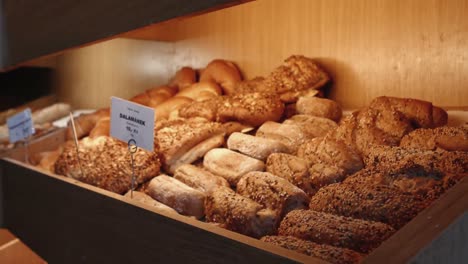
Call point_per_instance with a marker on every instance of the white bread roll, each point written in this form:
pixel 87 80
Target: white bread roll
pixel 199 178
pixel 312 126
pixel 51 113
pixel 230 165
pixel 146 199
pixel 289 134
pixel 321 107
pixel 255 147
pixel 175 194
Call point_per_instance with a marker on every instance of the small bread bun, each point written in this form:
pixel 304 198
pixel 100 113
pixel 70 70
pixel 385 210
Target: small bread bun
pixel 160 94
pixel 224 73
pixel 86 122
pixel 320 107
pixel 201 91
pixel 175 194
pixel 102 128
pixel 230 165
pixel 164 110
pixel 183 78
pixel 255 147
pixel 312 126
pixel 289 134
pixel 141 98
pixel 199 178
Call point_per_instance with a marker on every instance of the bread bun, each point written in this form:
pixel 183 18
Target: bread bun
pixel 290 135
pixel 199 178
pixel 320 107
pixel 102 128
pixel 160 94
pixel 86 122
pixel 255 147
pixel 183 78
pixel 201 91
pixel 439 116
pixel 224 73
pixel 163 111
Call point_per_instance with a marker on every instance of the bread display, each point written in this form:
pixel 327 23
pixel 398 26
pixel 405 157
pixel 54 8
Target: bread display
pixel 104 162
pixel 230 165
pixel 322 251
pixel 272 192
pixel 338 231
pixel 320 107
pixel 175 194
pixel 199 178
pixel 240 214
pixel 255 147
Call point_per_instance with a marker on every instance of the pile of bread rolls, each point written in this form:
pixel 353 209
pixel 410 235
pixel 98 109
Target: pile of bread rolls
pixel 271 159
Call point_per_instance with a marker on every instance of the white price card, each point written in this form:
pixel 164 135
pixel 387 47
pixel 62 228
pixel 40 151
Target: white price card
pixel 20 126
pixel 131 122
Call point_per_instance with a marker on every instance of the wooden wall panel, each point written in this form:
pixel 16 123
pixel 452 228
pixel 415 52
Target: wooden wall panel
pixel 416 48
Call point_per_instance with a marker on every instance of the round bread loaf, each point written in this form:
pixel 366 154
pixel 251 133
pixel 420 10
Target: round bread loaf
pixel 223 72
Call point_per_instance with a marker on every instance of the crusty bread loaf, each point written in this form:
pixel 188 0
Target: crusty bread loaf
pixel 321 107
pixel 272 192
pixel 159 94
pixel 201 91
pixel 255 147
pixel 50 113
pixel 291 168
pixel 84 123
pixel 338 231
pixel 175 194
pixel 207 109
pixel 48 159
pixel 180 136
pixel 439 116
pixel 448 138
pixel 312 126
pixel 164 110
pixel 223 72
pixel 230 165
pixel 199 178
pixel 105 163
pixel 146 199
pixel 240 214
pixel 289 134
pixel 296 76
pixel 323 251
pixel 102 128
pixel 183 78
pixel 252 109
pixel 322 174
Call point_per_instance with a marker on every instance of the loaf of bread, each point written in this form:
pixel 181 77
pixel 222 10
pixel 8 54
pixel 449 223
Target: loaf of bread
pixel 183 78
pixel 321 174
pixel 105 163
pixel 170 106
pixel 272 192
pixel 240 214
pixel 338 231
pixel 223 72
pixel 160 94
pixel 296 77
pixel 447 138
pixel 255 147
pixel 322 251
pixel 177 195
pixel 439 116
pixel 84 123
pixel 289 134
pixel 230 165
pixel 312 126
pixel 321 107
pixel 146 199
pixel 47 162
pixel 102 128
pixel 201 91
pixel 291 168
pixel 199 178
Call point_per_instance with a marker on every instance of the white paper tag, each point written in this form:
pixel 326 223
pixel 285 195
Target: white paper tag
pixel 20 126
pixel 132 121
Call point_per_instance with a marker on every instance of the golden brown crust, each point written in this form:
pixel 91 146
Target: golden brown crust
pixel 160 94
pixel 291 168
pixel 183 78
pixel 439 116
pixel 102 128
pixel 106 164
pixel 240 214
pixel 208 109
pixel 447 138
pixel 324 174
pixel 255 147
pixel 48 159
pixel 297 75
pixel 272 192
pixel 223 72
pixel 326 252
pixel 338 231
pixel 201 91
pixel 321 107
pixel 86 122
pixel 172 105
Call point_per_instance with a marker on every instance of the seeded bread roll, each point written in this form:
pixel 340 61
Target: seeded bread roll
pixel 272 192
pixel 240 214
pixel 320 107
pixel 146 199
pixel 291 168
pixel 312 126
pixel 326 252
pixel 230 165
pixel 175 194
pixel 295 77
pixel 360 235
pixel 447 138
pixel 201 91
pixel 289 134
pixel 223 72
pixel 199 178
pixel 255 147
pixel 183 78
